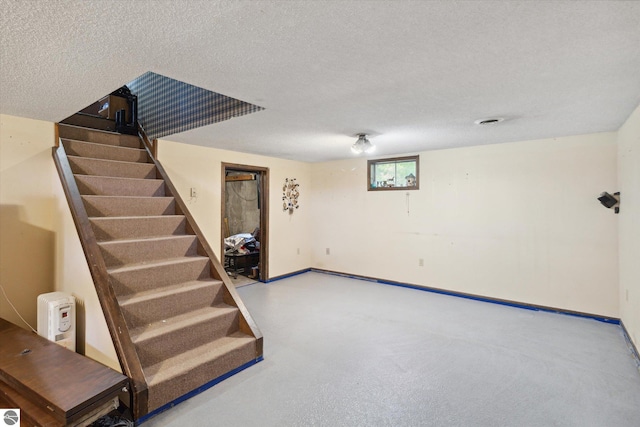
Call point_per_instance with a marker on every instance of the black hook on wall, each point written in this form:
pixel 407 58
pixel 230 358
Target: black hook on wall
pixel 610 201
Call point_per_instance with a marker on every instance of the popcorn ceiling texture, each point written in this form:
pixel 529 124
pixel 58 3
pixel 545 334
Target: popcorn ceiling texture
pixel 412 74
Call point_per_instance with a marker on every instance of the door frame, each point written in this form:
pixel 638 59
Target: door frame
pixel 264 212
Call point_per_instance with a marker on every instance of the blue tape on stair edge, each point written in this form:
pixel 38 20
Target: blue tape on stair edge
pixel 612 320
pixel 197 391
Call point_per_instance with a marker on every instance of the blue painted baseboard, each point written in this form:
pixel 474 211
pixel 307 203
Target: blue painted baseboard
pixel 286 276
pixel 605 319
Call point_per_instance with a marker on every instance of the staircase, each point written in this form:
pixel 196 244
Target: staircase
pixel 175 318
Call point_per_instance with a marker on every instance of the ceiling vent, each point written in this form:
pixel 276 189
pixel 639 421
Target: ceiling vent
pixel 489 121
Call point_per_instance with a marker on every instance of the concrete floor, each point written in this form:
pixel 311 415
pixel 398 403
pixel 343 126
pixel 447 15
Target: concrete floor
pixel 241 281
pixel 345 352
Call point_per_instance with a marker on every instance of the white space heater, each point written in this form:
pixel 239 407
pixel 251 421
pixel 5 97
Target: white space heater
pixel 57 318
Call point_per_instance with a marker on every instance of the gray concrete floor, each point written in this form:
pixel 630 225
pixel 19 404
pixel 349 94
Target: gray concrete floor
pixel 345 352
pixel 241 281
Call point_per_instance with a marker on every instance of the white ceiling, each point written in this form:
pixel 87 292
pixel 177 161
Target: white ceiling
pixel 412 74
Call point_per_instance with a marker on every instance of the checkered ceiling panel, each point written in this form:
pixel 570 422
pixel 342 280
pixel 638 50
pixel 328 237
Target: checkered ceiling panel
pixel 167 106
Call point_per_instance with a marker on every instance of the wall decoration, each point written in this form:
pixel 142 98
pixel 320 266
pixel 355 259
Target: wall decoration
pixel 290 195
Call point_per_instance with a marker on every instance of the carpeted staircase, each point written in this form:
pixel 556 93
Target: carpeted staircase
pixel 187 327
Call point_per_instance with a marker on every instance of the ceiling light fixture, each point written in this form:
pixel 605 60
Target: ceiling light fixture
pixel 362 145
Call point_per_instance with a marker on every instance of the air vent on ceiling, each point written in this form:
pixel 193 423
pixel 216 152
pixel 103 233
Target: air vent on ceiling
pixel 489 121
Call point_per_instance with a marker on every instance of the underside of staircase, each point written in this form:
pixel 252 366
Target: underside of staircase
pixel 176 320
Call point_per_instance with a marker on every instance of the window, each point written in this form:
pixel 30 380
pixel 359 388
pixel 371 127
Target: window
pixel 400 173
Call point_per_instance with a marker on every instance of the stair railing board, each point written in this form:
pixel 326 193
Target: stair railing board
pixel 231 296
pixel 127 354
pixel 89 121
pixel 56 135
pixel 152 146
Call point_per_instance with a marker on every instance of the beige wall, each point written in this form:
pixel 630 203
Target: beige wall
pixel 27 233
pixel 191 166
pixel 629 187
pixel 517 221
pixel 39 247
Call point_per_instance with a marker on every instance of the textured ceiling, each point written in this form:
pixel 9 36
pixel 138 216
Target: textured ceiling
pixel 413 75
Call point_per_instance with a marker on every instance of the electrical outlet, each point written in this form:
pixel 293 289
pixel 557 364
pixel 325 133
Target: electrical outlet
pixel 298 251
pixel 328 251
pixel 420 262
pixel 193 192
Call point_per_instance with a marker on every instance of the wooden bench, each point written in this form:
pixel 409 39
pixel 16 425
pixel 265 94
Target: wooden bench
pixel 51 385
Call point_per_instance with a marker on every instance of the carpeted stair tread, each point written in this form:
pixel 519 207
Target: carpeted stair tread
pixel 185 372
pixel 156 264
pixel 182 321
pixel 128 205
pixel 134 278
pixel 189 360
pixel 102 151
pixel 150 239
pixel 90 121
pixel 117 186
pixel 134 251
pixel 172 290
pixel 128 227
pixel 98 136
pixel 170 337
pixel 201 357
pixel 114 168
pixel 146 307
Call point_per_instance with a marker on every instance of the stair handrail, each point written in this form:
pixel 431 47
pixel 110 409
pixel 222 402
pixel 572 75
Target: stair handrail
pixel 231 297
pixel 125 349
pixel 151 146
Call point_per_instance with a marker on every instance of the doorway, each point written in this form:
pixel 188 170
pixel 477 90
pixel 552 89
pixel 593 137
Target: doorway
pixel 245 213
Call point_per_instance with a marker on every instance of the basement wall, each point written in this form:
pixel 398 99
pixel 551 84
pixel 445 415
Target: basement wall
pixel 241 205
pixel 27 210
pixel 517 221
pixel 40 250
pixel 191 166
pixel 629 217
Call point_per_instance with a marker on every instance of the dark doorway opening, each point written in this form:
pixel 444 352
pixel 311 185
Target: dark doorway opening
pixel 245 226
